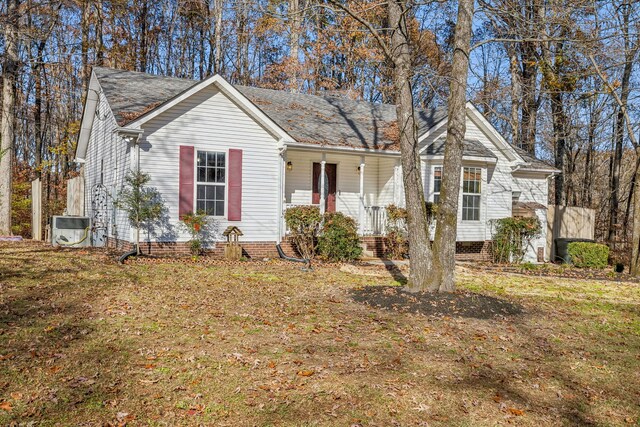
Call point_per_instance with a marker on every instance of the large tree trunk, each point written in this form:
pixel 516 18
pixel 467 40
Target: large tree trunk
pixel 99 34
pixel 516 93
pixel 560 136
pixel 143 52
pixel 533 17
pixel 9 76
pixel 420 260
pixel 616 161
pixel 635 241
pixel 217 62
pixel 444 245
pixel 529 98
pixel 84 45
pixel 37 114
pixel 295 27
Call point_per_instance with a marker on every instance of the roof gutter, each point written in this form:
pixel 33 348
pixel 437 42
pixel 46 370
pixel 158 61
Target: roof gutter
pixel 128 133
pixel 551 172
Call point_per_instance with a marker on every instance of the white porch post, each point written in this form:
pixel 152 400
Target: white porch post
pixel 322 183
pixel 361 210
pixel 398 192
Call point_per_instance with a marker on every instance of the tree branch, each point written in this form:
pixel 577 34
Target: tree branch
pixel 376 35
pixel 623 107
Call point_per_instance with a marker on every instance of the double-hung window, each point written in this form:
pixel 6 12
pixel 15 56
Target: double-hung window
pixel 437 183
pixel 471 188
pixel 211 179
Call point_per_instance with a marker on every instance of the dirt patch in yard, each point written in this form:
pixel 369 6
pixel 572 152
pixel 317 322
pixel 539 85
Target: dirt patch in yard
pixel 456 304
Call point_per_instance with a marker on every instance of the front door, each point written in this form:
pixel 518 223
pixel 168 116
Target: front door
pixel 330 173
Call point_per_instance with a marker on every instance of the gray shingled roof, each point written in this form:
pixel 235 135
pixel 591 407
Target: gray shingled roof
pixel 131 94
pixel 312 119
pixel 471 147
pixel 532 161
pixel 332 121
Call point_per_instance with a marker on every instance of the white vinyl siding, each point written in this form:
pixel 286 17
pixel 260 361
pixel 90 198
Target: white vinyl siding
pixel 209 121
pixel 107 161
pixel 496 185
pixel 534 188
pixel 389 191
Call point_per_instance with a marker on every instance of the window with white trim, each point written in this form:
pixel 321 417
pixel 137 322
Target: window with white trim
pixel 211 180
pixel 437 183
pixel 471 188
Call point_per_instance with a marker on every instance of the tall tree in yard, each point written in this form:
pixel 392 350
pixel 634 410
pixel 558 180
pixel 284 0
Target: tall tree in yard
pixel 397 51
pixel 9 75
pixel 444 245
pixel 421 257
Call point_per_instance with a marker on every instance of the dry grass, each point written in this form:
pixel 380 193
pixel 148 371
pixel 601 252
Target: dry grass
pixel 84 341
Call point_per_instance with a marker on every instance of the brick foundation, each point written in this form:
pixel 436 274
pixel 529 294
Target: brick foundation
pixel 465 251
pixel 374 244
pixel 257 250
pixel 473 251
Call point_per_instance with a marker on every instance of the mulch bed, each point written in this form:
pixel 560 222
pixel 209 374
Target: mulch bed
pixel 555 270
pixel 456 304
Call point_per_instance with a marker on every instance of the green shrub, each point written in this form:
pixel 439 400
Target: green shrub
pixel 588 255
pixel 512 236
pixel 196 224
pixel 339 240
pixel 396 243
pixel 304 223
pixel 529 266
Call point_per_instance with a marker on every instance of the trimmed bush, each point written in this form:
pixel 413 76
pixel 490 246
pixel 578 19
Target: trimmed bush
pixel 339 240
pixel 304 223
pixel 588 255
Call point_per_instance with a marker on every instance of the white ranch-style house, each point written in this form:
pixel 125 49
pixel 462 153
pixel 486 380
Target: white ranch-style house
pixel 245 154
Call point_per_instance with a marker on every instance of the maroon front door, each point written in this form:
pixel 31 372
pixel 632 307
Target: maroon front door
pixel 330 185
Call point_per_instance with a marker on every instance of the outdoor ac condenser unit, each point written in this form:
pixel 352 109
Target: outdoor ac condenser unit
pixel 70 231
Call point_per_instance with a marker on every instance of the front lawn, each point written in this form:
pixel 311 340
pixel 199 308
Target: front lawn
pixel 84 341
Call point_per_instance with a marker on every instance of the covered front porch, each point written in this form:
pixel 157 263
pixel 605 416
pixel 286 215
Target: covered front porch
pixel 357 184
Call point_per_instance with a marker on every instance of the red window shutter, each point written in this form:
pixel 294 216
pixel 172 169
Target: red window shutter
pixel 235 185
pixel 185 201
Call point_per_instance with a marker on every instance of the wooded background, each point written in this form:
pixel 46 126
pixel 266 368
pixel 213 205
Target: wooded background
pixel 557 78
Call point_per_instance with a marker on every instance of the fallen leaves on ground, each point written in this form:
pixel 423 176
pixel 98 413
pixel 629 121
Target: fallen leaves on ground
pixel 86 341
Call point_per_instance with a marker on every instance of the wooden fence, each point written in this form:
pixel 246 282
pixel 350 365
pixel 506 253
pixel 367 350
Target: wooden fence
pixel 36 209
pixel 569 222
pixel 75 196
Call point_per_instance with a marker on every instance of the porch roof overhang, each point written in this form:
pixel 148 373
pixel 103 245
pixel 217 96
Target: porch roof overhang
pixel 368 152
pixel 340 149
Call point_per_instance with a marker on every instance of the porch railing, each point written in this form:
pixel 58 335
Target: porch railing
pixel 375 220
